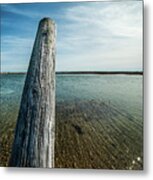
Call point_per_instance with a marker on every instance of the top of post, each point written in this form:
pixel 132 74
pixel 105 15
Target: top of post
pixel 47 25
pixel 47 19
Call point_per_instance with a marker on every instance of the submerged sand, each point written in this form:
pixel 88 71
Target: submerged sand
pixel 96 135
pixel 89 134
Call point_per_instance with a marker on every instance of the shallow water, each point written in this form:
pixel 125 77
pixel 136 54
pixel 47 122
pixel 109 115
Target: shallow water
pixel 99 121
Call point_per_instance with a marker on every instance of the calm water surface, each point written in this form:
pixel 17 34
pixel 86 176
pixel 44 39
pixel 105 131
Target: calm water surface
pixel 99 121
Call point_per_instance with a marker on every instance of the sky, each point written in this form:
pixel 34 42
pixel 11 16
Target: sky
pixel 91 36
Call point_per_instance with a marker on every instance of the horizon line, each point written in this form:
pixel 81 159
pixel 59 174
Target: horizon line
pixel 84 72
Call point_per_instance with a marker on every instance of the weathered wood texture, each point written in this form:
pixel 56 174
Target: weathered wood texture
pixel 34 135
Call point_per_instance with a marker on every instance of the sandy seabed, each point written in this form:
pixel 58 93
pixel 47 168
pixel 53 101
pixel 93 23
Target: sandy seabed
pixel 93 134
pixel 99 126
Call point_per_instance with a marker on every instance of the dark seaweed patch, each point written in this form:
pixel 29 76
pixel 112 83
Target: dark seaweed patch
pixel 78 129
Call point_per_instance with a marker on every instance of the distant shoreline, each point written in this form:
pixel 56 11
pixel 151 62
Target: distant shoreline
pixel 102 72
pixel 88 72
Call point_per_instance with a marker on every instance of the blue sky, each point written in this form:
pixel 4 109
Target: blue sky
pixel 91 36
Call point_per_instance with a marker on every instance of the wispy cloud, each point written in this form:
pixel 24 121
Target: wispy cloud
pixel 15 53
pixel 16 10
pixel 103 36
pixel 91 36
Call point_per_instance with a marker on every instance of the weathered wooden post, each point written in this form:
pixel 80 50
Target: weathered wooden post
pixel 34 135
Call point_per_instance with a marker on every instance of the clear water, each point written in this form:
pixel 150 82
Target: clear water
pixel 122 91
pixel 11 88
pixel 79 95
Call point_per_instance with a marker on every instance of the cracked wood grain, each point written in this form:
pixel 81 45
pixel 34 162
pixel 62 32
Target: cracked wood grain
pixel 34 135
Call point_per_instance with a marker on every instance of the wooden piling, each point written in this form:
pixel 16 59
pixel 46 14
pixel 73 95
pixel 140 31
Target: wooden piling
pixel 34 135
